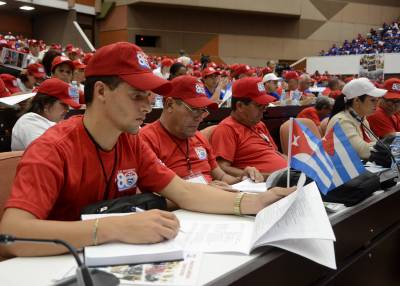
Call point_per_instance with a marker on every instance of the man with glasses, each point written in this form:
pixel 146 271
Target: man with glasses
pixel 242 139
pixel 175 140
pixel 386 119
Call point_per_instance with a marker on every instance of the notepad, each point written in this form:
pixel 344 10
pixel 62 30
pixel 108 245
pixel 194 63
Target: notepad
pixel 118 253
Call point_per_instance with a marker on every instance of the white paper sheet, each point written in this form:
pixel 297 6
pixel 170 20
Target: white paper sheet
pixel 249 186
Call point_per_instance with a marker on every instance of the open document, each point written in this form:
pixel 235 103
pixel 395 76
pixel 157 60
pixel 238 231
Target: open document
pixel 297 223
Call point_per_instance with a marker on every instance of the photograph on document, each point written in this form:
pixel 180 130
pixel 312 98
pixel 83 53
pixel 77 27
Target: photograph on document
pixel 180 272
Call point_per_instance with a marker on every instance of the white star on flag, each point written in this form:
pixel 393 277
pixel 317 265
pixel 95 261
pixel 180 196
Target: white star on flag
pixel 295 143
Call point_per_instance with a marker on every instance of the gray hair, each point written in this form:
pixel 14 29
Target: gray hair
pixel 324 102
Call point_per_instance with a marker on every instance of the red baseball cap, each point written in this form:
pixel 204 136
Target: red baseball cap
pixel 191 90
pixel 10 82
pixel 78 64
pixel 393 87
pixel 243 69
pixel 291 75
pixel 209 71
pixel 61 60
pixel 37 70
pixel 59 89
pixel 3 90
pixel 87 57
pixel 128 62
pixel 167 62
pixel 253 88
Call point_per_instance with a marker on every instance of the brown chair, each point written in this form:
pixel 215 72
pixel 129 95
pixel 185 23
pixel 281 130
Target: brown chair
pixel 8 166
pixel 284 131
pixel 323 126
pixel 207 132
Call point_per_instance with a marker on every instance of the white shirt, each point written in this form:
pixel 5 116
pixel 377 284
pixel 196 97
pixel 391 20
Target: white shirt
pixel 27 128
pixel 158 73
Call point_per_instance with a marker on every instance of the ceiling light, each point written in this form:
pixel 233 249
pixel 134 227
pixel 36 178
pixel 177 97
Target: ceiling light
pixel 3 3
pixel 27 8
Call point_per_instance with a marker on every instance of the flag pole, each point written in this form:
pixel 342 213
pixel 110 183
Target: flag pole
pixel 289 151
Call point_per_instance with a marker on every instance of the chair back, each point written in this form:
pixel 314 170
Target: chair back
pixel 284 131
pixel 323 126
pixel 207 132
pixel 8 166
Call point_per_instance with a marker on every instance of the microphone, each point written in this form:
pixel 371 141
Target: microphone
pixel 383 145
pixel 83 277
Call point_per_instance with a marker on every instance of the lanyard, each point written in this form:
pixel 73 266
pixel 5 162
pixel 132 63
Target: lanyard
pixel 263 136
pixel 186 154
pixel 109 179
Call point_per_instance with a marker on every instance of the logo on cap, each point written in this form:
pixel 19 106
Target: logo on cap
pixel 126 179
pixel 200 89
pixel 396 86
pixel 261 87
pixel 142 60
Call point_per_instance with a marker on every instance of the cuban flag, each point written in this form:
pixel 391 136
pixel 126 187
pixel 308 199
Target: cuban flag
pixel 306 154
pixel 345 159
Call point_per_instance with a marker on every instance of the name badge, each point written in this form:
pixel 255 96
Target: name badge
pixel 196 178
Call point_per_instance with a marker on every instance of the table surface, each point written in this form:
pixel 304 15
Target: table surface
pixel 216 269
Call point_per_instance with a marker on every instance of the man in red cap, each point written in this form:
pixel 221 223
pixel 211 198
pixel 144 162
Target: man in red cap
pixel 214 84
pixel 10 82
pixel 175 140
pixel 386 119
pixel 49 106
pixel 62 68
pixel 34 49
pixel 242 139
pixel 163 70
pixel 98 156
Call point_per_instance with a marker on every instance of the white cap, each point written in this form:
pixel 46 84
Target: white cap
pixel 270 76
pixel 360 86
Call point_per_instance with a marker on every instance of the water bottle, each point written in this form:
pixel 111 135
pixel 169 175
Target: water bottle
pixel 283 97
pixel 395 149
pixel 158 101
pixel 74 91
pixel 296 97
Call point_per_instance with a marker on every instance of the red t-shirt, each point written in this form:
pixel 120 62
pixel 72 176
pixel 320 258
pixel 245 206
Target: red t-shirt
pixel 172 151
pixel 382 124
pixel 61 172
pixel 244 146
pixel 310 113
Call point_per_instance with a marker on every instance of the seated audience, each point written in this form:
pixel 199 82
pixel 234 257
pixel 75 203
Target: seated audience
pixel 175 140
pixel 386 119
pixel 242 139
pixel 98 156
pixel 214 84
pixel 317 113
pixel 62 68
pixel 177 69
pixel 10 82
pixel 48 106
pixel 31 77
pixel 47 60
pixel 270 81
pixel 359 99
pixel 163 70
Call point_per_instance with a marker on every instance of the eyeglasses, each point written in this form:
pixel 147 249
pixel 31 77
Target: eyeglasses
pixel 196 111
